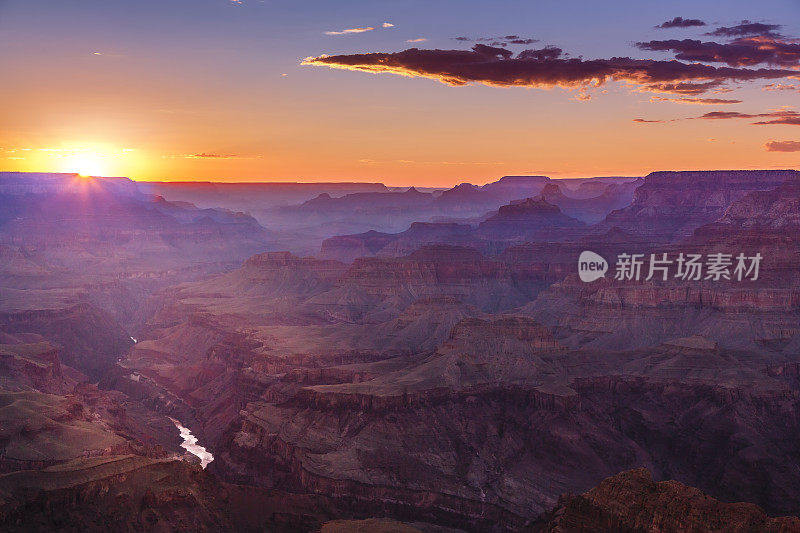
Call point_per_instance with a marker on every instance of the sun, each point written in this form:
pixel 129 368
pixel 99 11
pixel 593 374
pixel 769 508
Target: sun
pixel 95 160
pixel 86 164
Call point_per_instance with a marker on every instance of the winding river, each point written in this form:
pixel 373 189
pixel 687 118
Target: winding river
pixel 190 444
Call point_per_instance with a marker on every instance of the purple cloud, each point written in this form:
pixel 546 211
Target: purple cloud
pixel 544 68
pixel 747 28
pixel 741 52
pixel 680 22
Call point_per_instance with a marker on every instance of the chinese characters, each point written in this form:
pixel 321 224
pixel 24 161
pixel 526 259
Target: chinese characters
pixel 690 267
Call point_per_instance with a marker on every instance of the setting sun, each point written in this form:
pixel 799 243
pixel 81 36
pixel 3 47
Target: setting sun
pixel 86 164
pixel 84 159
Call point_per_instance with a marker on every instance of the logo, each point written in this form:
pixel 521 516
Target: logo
pixel 591 266
pixel 663 266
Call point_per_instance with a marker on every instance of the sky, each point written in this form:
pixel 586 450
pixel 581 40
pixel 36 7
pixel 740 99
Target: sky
pixel 429 93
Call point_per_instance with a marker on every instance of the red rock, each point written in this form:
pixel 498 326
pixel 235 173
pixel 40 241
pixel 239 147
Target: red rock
pixel 632 501
pixel 673 204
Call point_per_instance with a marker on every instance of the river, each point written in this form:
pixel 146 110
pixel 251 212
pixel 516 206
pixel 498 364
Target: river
pixel 190 444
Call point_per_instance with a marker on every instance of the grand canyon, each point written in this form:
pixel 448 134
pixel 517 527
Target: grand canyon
pixel 456 375
pixel 399 267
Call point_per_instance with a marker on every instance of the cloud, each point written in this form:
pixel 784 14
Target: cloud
pixel 746 28
pixel 745 51
pixel 541 54
pixel 214 156
pixel 700 101
pixel 680 22
pixel 725 115
pixel 688 88
pixel 783 146
pixel 418 40
pixel 781 116
pixel 788 120
pixel 523 41
pixel 359 30
pixel 349 31
pixel 544 68
pixel 645 121
pixel 781 87
pixel 774 117
pixel 503 40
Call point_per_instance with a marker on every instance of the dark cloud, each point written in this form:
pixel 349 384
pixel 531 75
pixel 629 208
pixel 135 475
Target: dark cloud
pixel 774 117
pixel 541 54
pixel 746 51
pixel 492 52
pixel 680 22
pixel 783 146
pixel 503 40
pixel 724 115
pixel 498 67
pixel 789 120
pixel 747 28
pixel 644 121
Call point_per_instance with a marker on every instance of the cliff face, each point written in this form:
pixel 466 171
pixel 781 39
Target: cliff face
pixel 588 207
pixel 632 501
pixel 661 207
pixel 516 448
pixel 754 314
pixel 280 274
pixel 436 270
pixel 504 418
pixel 60 210
pixel 751 314
pixel 776 209
pixel 532 219
pixel 673 204
pixel 80 257
pixel 108 222
pixel 123 493
pixel 49 414
pixel 25 366
pixel 91 340
pixel 348 248
pixel 627 316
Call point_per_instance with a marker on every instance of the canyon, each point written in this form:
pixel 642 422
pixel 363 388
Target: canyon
pixel 356 356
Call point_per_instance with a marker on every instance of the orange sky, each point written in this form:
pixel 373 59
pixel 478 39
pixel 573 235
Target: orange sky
pixel 202 106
